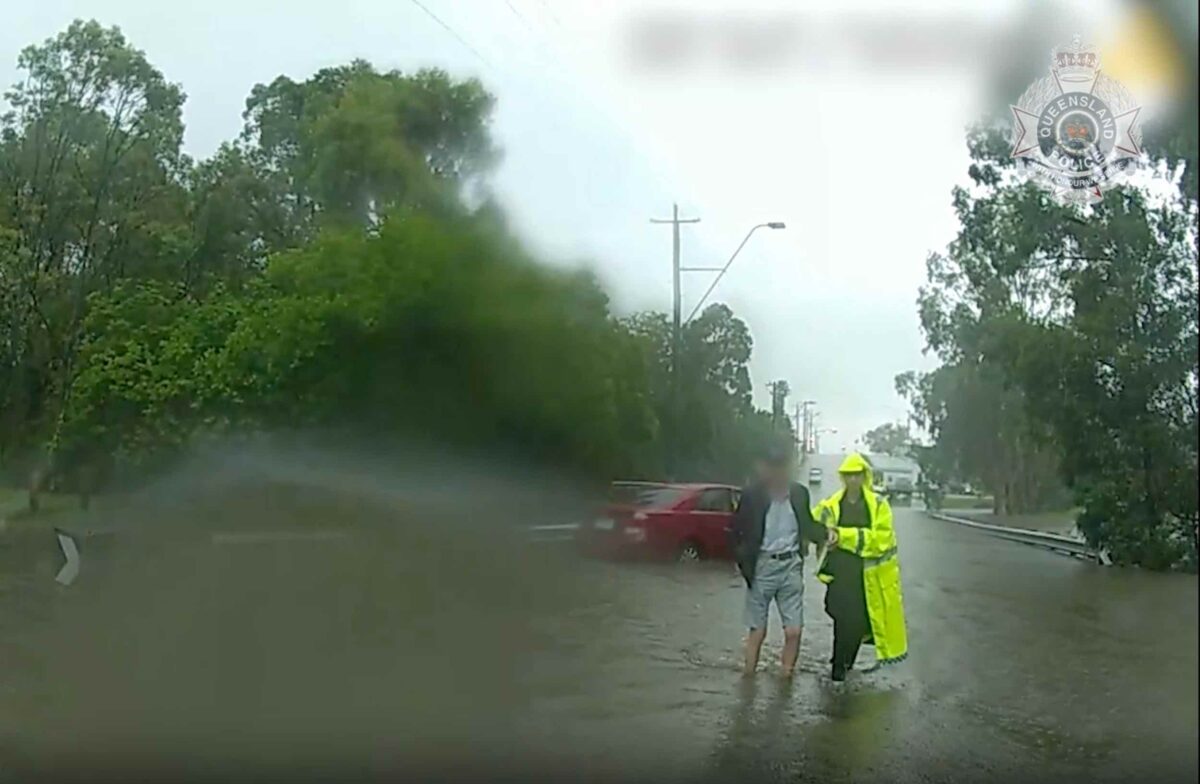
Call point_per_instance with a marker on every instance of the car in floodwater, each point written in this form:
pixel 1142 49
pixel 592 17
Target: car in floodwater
pixel 683 522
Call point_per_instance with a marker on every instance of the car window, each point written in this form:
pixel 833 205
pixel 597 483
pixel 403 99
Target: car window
pixel 660 497
pixel 715 499
pixel 646 496
pixel 630 492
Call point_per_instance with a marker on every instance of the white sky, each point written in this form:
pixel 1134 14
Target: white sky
pixel 858 160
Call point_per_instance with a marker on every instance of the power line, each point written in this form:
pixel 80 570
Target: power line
pixel 538 34
pixel 451 30
pixel 549 13
pixel 519 15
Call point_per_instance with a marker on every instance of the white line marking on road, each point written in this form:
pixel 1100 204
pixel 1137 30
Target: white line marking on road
pixel 266 537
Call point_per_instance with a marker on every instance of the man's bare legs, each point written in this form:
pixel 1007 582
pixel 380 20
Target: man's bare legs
pixel 754 641
pixel 791 649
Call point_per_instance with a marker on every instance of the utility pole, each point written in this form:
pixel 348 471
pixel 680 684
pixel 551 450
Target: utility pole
pixel 677 321
pixel 676 326
pixel 779 393
pixel 796 432
pixel 677 310
pixel 805 414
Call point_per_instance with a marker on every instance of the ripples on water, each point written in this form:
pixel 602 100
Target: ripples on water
pixel 435 638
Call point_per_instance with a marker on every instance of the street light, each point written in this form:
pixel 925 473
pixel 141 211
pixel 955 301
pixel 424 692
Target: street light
pixel 721 272
pixel 820 431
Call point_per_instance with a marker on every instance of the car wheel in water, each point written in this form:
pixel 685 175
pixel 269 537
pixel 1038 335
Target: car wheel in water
pixel 689 552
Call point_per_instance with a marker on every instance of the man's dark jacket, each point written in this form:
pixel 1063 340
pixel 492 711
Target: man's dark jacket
pixel 750 519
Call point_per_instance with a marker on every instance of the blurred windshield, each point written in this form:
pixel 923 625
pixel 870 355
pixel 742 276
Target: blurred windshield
pixel 383 392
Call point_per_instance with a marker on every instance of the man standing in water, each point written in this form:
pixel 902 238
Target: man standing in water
pixel 861 570
pixel 771 531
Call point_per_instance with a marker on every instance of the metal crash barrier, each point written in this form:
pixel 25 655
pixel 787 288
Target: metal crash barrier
pixel 1065 545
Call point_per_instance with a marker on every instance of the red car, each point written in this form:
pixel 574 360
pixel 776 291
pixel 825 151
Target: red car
pixel 685 522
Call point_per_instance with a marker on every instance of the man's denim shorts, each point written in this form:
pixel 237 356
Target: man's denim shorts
pixel 781 582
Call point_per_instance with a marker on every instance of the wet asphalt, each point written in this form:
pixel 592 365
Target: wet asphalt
pixel 1024 665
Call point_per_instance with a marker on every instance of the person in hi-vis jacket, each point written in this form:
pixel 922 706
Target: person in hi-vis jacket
pixel 861 571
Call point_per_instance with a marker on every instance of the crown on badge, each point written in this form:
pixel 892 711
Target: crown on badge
pixel 1076 63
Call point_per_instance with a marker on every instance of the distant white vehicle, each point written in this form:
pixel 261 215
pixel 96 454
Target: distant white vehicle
pixel 894 477
pixel 814 476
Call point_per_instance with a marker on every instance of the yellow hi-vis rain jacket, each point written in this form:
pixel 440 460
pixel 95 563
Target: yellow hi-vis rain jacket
pixel 876 545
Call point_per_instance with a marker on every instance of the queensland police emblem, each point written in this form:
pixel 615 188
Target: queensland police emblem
pixel 1076 131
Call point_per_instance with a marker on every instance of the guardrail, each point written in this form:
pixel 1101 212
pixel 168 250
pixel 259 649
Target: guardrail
pixel 1058 543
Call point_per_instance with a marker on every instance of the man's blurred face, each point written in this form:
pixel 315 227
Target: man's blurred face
pixel 854 481
pixel 776 473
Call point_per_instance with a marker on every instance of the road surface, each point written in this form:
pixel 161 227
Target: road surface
pixel 1025 666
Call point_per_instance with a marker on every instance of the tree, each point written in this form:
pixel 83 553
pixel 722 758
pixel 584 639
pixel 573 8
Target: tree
pixel 236 220
pixel 425 330
pixel 717 431
pixel 94 190
pixel 982 436
pixel 91 191
pixel 888 439
pixel 351 144
pixel 1069 339
pixel 340 266
pixel 1117 380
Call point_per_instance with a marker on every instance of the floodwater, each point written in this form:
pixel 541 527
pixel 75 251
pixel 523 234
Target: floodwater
pixel 431 646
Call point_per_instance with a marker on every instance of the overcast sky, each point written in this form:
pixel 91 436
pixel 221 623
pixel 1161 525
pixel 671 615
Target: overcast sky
pixel 843 119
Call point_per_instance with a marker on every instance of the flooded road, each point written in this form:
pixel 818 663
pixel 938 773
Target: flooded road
pixel 1024 666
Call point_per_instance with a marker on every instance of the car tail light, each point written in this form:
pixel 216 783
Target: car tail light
pixel 635 530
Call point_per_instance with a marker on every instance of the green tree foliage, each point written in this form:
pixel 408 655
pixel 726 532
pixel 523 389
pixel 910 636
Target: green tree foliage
pixel 351 144
pixel 1116 378
pixel 982 437
pixel 423 329
pixel 340 266
pixel 1068 341
pixel 889 438
pixel 341 149
pixel 91 191
pixel 717 429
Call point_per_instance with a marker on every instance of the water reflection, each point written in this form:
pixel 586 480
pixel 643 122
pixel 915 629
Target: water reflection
pixel 434 638
pixel 778 727
pixel 862 724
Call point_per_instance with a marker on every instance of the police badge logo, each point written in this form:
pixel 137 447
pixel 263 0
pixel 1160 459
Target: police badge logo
pixel 1076 130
